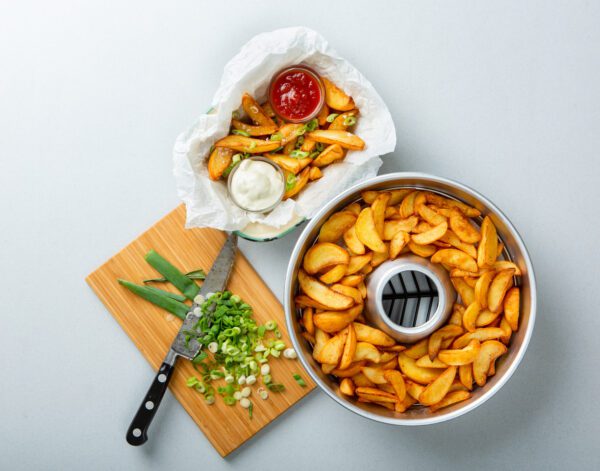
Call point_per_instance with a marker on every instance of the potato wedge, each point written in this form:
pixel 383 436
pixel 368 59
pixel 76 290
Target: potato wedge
pixel 436 391
pixel 463 228
pixel 409 368
pixel 432 235
pixel 498 288
pixel 333 349
pixel 460 357
pixel 366 351
pixel 352 280
pixel 285 162
pixel 253 130
pixel 334 321
pixel 483 334
pixel 424 251
pixel 486 317
pixel 321 339
pixel 457 315
pixel 219 160
pixel 482 286
pixel 465 374
pixel 338 223
pixel 322 294
pixel 488 352
pixel 455 258
pixel 255 111
pixel 358 262
pixel 378 207
pixel 488 246
pixel 426 362
pixel 290 132
pixel 512 302
pixel 374 374
pixel 398 242
pixel 466 293
pixel 314 174
pixel 307 320
pixel 450 399
pixel 442 202
pixel 365 333
pixel 396 379
pixel 304 301
pixel 342 121
pixel 380 257
pixel 324 255
pixel 330 154
pixel 352 241
pixel 375 394
pixel 429 215
pixel 323 114
pixel 407 207
pixel 333 275
pixel 392 227
pixel 336 98
pixel 299 182
pixel 349 348
pixel 453 240
pixel 470 316
pixel 417 350
pixel 507 265
pixel 247 144
pixel 367 232
pixel 347 387
pixel 435 340
pixel 348 291
pixel 360 379
pixel 506 331
pixel 349 372
pixel 344 138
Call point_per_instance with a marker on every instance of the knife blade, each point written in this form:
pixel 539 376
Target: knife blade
pixel 184 345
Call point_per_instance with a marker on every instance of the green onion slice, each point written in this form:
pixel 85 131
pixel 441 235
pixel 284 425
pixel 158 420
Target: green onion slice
pixel 349 121
pixel 299 380
pixel 298 154
pixel 239 132
pixel 276 137
pixel 290 182
pixel 331 117
pixel 312 125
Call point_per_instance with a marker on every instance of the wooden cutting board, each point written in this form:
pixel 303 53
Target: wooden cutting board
pixel 152 330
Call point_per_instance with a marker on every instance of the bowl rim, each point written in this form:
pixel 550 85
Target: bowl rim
pixel 290 312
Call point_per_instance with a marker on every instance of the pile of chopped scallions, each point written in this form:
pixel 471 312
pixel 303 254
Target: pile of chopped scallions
pixel 235 349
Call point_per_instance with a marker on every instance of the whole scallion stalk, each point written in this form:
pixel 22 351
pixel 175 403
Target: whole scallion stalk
pixel 187 286
pixel 156 297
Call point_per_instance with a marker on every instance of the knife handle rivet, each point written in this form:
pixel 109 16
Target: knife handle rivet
pixel 162 378
pixel 149 405
pixel 136 432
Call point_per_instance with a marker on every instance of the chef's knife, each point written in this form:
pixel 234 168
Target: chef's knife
pixel 216 280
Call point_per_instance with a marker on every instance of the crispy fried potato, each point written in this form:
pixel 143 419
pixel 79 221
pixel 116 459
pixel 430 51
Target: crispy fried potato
pixel 300 183
pixel 392 227
pixel 486 317
pixel 307 320
pixel 488 246
pixel 463 228
pixel 308 145
pixel 304 301
pixel 470 316
pixel 450 399
pixel 378 207
pixel 398 242
pixel 460 357
pixel 465 374
pixel 507 265
pixel 424 251
pixel 347 387
pixel 219 160
pixel 352 241
pixel 344 138
pixel 323 114
pixel 429 215
pixel 362 288
pixel 466 293
pixel 407 207
pixel 336 225
pixel 489 351
pixel 352 280
pixel 349 372
pixel 442 202
pixel 322 294
pixel 314 174
pixel 348 291
pixel 365 333
pixel 329 155
pixel 340 122
pixel 324 255
pixel 354 208
pixel 396 379
pixel 432 235
pixel 334 274
pixel 253 130
pixel 506 331
pixel 369 196
pixel 444 333
pixel 375 375
pixel 380 257
pixel 452 239
pixel 482 286
pixel 286 163
pixel 321 338
pixel 247 144
pixel 512 301
pixel 455 258
pixel 255 111
pixel 457 315
pixel 334 321
pixel 367 232
pixel 482 335
pixel 498 288
pixel 366 351
pixel 358 262
pixel 426 362
pixel 332 350
pixel 374 394
pixel 336 98
pixel 417 350
pixel 349 348
pixel 436 391
pixel 290 132
pixel 409 368
pixel 309 337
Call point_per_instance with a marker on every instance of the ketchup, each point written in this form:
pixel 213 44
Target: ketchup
pixel 296 94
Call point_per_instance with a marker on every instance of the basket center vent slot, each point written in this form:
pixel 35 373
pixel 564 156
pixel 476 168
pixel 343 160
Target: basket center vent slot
pixel 410 298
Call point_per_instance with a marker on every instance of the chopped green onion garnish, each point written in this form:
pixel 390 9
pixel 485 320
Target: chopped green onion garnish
pixel 298 154
pixel 349 120
pixel 276 136
pixel 274 151
pixel 299 142
pixel 252 145
pixel 270 325
pixel 239 132
pixel 299 380
pixel 312 125
pixel 320 146
pixel 331 117
pixel 290 182
pixel 276 387
pixel 314 154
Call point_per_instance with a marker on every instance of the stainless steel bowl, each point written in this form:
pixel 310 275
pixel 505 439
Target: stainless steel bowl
pixel 514 250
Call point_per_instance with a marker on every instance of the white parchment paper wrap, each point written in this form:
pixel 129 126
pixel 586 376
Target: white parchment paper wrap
pixel 207 202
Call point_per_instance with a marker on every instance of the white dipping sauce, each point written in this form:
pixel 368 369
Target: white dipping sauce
pixel 256 185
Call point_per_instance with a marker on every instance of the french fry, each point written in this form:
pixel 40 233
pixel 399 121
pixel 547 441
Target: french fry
pixel 407 207
pixel 482 286
pixel 397 243
pixel 486 317
pixel 432 235
pixel 426 362
pixel 366 351
pixel 253 130
pixel 247 144
pixel 444 333
pixel 348 291
pixel 465 374
pixel 463 228
pixel 429 215
pixel 349 348
pixel 358 262
pixel 417 350
pixel 299 184
pixel 333 349
pixel 466 293
pixel 344 138
pixel 314 174
pixel 341 122
pixel 349 372
pixel 352 280
pixel 378 208
pixel 483 334
pixel 470 316
pixel 373 374
pixel 307 320
pixel 424 251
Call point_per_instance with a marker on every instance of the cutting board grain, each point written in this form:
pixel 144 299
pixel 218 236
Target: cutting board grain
pixel 152 330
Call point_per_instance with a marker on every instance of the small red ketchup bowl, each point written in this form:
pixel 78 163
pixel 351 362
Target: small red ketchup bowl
pixel 296 94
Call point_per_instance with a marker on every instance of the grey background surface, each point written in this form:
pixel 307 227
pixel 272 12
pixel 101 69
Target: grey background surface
pixel 502 96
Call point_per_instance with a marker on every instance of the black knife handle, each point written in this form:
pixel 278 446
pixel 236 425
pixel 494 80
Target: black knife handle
pixel 137 432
